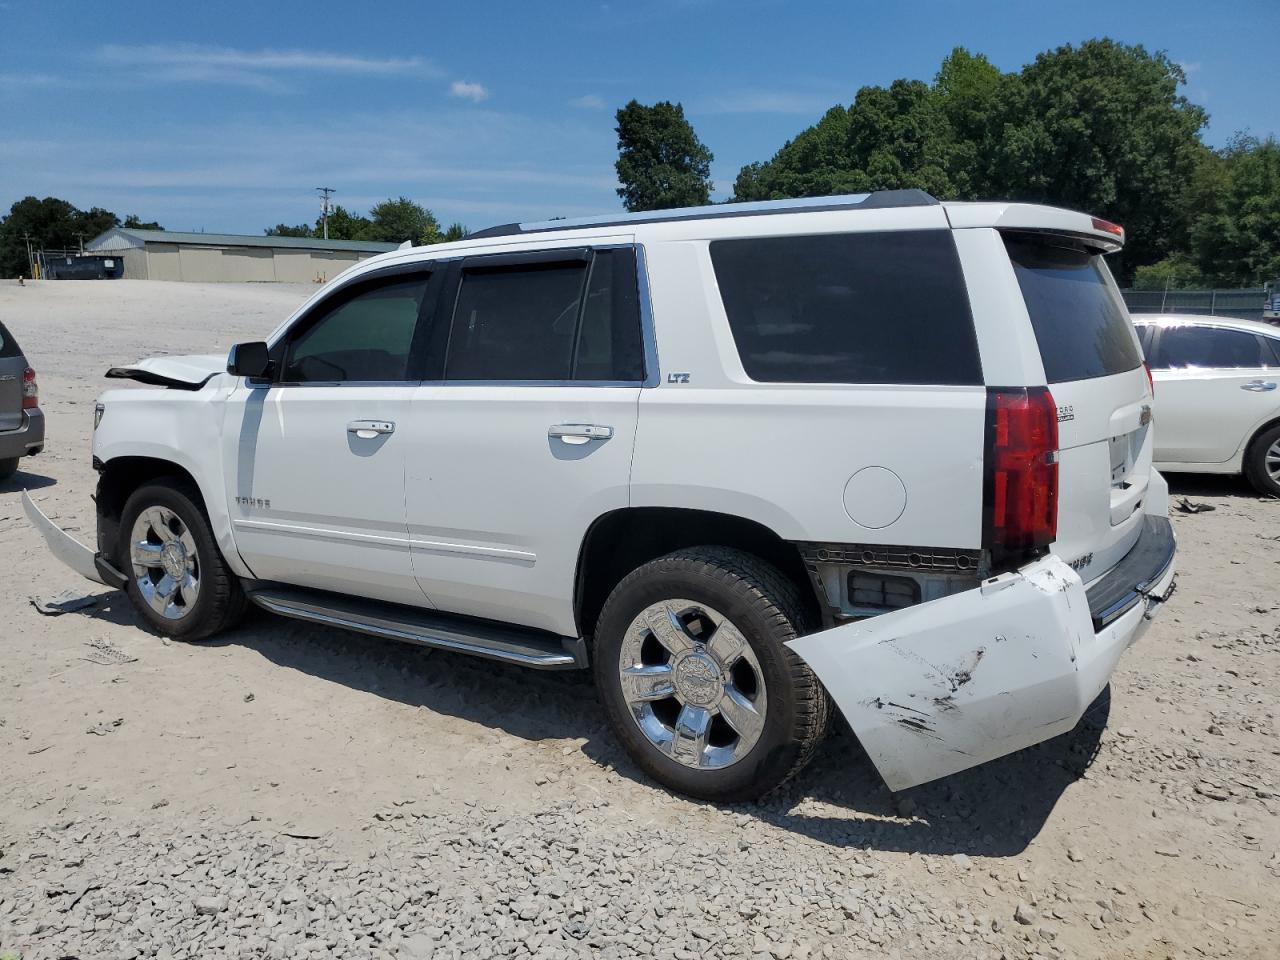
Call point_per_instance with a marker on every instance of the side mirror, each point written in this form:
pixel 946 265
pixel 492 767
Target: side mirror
pixel 249 360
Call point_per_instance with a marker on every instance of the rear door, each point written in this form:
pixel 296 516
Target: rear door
pixel 528 436
pixel 12 367
pixel 1214 385
pixel 1093 366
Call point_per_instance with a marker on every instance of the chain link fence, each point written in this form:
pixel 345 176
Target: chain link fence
pixel 1244 303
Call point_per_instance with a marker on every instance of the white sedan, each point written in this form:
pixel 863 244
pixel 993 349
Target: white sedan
pixel 1217 402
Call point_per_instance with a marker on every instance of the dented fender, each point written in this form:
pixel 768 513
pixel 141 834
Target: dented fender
pixel 942 686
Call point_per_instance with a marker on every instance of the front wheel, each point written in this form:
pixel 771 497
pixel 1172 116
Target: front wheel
pixel 178 580
pixel 1262 462
pixel 693 670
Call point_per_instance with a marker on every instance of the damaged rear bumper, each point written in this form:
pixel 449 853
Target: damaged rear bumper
pixel 937 688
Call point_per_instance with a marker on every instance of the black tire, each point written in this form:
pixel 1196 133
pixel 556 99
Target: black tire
pixel 766 609
pixel 220 602
pixel 8 468
pixel 1255 462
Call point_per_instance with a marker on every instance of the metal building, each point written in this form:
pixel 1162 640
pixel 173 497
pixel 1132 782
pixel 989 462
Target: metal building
pixel 169 255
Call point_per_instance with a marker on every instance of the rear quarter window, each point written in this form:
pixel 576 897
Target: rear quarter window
pixel 885 307
pixel 8 346
pixel 1080 322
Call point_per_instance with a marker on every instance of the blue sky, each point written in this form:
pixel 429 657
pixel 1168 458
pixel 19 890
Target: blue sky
pixel 224 115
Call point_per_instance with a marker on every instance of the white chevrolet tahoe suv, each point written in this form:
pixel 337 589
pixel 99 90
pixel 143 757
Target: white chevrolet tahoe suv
pixel 747 463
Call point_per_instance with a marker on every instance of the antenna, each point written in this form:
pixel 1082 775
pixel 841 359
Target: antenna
pixel 325 207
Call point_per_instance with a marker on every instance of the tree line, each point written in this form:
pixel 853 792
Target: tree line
pixel 54 224
pixel 1101 127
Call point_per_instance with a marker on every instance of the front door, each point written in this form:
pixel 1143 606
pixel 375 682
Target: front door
pixel 317 457
pixel 1211 389
pixel 528 438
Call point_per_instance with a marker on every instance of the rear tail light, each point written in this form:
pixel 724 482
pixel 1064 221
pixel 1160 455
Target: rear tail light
pixel 1106 226
pixel 30 390
pixel 1151 383
pixel 1020 475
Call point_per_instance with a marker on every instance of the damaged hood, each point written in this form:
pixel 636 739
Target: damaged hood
pixel 183 373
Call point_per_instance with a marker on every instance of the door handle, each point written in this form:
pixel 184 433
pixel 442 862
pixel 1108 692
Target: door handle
pixel 1258 386
pixel 368 429
pixel 580 432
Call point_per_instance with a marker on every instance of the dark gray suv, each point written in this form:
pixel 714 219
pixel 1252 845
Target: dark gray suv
pixel 21 422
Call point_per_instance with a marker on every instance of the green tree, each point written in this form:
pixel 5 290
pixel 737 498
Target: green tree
pixel 133 221
pixel 1102 128
pixel 50 223
pixel 1172 273
pixel 456 231
pixel 401 219
pixel 661 162
pixel 1235 214
pixel 344 225
pixel 284 230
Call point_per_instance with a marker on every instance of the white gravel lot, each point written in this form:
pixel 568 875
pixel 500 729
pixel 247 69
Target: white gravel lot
pixel 295 791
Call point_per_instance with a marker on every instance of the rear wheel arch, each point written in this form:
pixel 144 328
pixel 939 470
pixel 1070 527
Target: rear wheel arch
pixel 618 542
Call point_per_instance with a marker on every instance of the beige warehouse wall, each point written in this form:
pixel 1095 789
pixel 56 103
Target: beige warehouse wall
pixel 163 262
pixel 294 266
pixel 135 263
pixel 251 264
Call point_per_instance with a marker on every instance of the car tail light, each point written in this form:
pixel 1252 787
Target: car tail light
pixel 1020 475
pixel 30 390
pixel 1151 383
pixel 1106 226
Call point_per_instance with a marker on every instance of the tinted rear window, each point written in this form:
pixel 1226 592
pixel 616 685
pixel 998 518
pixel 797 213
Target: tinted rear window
pixel 1210 347
pixel 885 307
pixel 1080 321
pixel 8 346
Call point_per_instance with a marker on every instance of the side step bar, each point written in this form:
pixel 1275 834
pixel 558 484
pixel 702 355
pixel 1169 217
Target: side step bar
pixel 483 638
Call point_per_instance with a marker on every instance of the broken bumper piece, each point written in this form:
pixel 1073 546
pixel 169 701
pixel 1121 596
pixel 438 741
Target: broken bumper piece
pixel 943 686
pixel 69 550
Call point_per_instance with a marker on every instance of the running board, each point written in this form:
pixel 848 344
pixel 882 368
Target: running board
pixel 482 638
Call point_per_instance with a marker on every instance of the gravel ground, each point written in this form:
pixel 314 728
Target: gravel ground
pixel 295 791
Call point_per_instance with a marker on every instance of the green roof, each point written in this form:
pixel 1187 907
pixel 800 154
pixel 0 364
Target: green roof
pixel 136 238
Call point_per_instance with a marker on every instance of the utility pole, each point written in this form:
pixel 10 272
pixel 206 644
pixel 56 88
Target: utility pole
pixel 325 194
pixel 31 267
pixel 81 237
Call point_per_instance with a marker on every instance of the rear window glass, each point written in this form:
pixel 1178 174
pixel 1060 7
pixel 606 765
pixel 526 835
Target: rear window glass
pixel 887 307
pixel 8 346
pixel 1080 321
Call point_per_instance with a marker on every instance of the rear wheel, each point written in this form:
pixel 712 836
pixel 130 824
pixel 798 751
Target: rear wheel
pixel 178 580
pixel 692 667
pixel 8 468
pixel 1262 462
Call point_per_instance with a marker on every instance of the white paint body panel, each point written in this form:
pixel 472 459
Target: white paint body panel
pixel 940 687
pixel 1206 415
pixel 320 506
pixel 497 509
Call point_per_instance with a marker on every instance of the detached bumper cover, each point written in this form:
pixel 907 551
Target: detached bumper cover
pixel 943 686
pixel 71 551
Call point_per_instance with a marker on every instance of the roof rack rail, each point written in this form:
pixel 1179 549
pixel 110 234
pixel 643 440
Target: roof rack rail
pixel 877 200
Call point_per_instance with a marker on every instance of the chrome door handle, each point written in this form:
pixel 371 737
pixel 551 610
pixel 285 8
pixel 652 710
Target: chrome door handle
pixel 579 432
pixel 1258 386
pixel 368 429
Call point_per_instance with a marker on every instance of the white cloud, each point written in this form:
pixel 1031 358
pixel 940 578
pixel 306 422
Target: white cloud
pixel 589 102
pixel 475 92
pixel 253 68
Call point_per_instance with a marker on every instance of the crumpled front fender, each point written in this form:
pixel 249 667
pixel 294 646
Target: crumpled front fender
pixel 936 688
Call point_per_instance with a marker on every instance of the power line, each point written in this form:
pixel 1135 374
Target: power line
pixel 325 194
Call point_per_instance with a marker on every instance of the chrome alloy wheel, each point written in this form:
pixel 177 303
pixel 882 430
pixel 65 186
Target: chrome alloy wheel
pixel 693 684
pixel 1271 461
pixel 166 567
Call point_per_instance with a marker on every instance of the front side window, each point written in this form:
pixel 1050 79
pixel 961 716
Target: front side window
pixel 886 307
pixel 548 321
pixel 365 335
pixel 1194 346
